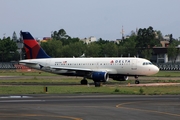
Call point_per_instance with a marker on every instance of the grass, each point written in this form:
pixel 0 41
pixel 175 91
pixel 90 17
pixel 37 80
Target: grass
pixel 167 74
pixel 24 73
pixel 73 81
pixel 35 83
pixel 40 73
pixel 43 80
pixel 160 90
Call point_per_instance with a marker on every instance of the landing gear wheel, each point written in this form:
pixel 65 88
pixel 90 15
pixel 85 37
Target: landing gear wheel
pixel 97 84
pixel 84 82
pixel 136 81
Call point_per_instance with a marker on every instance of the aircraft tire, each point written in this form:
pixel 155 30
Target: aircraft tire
pixel 137 82
pixel 97 84
pixel 84 82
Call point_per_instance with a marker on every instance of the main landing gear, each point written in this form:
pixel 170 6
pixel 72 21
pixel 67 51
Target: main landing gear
pixel 84 81
pixel 97 84
pixel 136 80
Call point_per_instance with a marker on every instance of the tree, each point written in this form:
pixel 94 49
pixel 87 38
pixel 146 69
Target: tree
pixel 7 49
pixel 147 53
pixel 121 51
pixel 58 35
pixel 63 37
pixel 53 48
pixel 101 41
pixel 74 49
pixel 14 37
pixel 92 50
pixel 146 39
pixel 129 46
pixel 173 50
pixel 171 39
pixel 158 35
pixel 101 44
pixel 109 50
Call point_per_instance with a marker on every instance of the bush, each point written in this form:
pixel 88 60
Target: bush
pixel 116 90
pixel 141 91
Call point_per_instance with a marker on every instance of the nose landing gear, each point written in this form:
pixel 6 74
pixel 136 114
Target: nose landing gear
pixel 136 80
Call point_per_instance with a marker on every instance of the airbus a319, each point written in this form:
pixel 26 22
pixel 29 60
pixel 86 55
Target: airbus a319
pixel 97 69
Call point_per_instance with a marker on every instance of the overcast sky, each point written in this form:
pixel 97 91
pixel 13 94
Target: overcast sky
pixel 85 18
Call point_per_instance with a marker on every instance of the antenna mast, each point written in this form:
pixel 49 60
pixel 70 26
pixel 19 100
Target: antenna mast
pixel 122 32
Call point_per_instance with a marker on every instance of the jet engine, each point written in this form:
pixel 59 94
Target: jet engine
pixel 100 76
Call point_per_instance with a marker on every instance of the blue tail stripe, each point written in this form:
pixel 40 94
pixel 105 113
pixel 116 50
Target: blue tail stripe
pixel 42 54
pixel 27 35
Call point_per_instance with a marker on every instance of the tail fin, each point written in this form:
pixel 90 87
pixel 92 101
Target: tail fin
pixel 32 48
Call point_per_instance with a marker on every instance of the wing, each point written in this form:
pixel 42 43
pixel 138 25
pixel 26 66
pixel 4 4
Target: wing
pixel 110 71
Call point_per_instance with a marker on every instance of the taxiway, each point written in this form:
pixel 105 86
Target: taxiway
pixel 90 107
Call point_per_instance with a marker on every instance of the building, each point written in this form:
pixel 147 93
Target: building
pixel 89 40
pixel 161 53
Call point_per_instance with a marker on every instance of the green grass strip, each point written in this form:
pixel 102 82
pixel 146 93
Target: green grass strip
pixel 159 90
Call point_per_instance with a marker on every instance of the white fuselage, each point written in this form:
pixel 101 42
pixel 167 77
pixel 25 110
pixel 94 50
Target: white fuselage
pixel 125 66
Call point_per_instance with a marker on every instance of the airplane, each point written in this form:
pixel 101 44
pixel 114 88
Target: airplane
pixel 98 69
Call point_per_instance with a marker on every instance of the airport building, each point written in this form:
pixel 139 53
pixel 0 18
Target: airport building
pixel 89 40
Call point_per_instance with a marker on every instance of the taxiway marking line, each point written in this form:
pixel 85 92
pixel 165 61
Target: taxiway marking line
pixel 6 115
pixel 144 110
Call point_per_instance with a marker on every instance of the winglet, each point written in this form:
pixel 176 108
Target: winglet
pixel 32 47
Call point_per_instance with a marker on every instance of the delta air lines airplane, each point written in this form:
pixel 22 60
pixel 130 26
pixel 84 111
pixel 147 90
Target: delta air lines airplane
pixel 97 69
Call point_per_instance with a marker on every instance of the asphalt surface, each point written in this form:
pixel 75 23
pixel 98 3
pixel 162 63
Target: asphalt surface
pixel 89 107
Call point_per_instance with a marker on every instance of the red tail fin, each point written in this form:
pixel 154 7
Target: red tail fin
pixel 32 48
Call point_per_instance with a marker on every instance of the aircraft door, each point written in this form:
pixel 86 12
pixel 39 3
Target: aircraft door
pixel 97 65
pixel 134 65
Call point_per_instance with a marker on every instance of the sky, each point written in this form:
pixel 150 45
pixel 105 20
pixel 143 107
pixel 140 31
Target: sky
pixel 84 18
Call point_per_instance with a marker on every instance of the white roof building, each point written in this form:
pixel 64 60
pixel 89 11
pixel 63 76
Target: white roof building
pixel 89 40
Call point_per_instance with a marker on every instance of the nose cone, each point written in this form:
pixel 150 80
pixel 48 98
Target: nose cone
pixel 155 70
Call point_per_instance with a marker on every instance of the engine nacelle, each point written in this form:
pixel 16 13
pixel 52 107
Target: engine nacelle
pixel 100 76
pixel 120 78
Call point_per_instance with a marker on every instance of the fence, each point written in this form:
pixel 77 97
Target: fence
pixel 13 66
pixel 169 66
